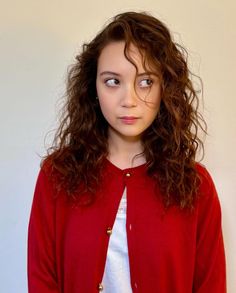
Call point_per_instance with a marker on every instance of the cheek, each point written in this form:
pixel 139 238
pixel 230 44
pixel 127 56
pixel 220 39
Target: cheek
pixel 106 102
pixel 108 99
pixel 154 102
pixel 152 109
pixel 157 96
pixel 107 108
pixel 154 96
pixel 153 113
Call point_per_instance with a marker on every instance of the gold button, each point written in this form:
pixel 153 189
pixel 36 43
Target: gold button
pixel 127 174
pixel 100 287
pixel 109 231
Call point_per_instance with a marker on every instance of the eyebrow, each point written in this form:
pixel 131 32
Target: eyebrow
pixel 109 72
pixel 117 74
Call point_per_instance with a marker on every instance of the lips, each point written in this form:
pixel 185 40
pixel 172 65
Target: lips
pixel 129 119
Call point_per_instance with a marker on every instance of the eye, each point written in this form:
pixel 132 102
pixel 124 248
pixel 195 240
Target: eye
pixel 112 82
pixel 147 82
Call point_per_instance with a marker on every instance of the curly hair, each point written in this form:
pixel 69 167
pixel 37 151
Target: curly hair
pixel 170 144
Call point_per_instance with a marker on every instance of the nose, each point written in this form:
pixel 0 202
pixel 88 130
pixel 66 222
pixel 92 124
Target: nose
pixel 129 98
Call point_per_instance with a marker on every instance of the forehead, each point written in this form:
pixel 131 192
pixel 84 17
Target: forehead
pixel 113 54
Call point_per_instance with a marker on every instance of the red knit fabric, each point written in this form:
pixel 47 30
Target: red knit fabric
pixel 170 251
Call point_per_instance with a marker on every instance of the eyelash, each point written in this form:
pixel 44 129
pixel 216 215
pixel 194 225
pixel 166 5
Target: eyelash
pixel 109 79
pixel 117 82
pixel 149 80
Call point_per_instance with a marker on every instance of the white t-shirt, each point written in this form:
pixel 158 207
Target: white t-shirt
pixel 116 278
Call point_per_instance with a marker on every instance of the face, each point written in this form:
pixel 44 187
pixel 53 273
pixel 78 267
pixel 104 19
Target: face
pixel 129 100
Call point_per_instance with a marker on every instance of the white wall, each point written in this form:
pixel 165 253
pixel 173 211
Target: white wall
pixel 38 40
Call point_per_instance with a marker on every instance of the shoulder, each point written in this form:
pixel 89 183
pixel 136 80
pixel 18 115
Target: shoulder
pixel 208 200
pixel 206 181
pixel 46 166
pixel 48 172
pixel 46 181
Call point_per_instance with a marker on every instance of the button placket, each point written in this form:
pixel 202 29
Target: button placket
pixel 128 178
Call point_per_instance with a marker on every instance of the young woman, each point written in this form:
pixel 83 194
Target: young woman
pixel 120 204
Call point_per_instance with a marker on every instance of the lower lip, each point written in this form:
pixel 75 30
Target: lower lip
pixel 129 121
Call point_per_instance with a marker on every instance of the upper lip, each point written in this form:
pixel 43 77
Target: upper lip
pixel 128 117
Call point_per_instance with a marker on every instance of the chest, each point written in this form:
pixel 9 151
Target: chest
pixel 149 227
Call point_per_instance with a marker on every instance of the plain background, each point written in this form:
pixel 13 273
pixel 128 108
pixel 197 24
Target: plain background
pixel 39 39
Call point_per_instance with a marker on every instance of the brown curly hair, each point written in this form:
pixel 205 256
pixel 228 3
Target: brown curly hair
pixel 170 143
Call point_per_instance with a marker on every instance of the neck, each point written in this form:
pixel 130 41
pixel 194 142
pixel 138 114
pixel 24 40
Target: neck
pixel 125 152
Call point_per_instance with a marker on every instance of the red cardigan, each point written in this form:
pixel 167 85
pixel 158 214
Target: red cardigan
pixel 170 251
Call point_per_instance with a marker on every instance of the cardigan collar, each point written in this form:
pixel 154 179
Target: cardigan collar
pixel 138 170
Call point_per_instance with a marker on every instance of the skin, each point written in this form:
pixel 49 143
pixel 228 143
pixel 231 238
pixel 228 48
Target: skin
pixel 124 93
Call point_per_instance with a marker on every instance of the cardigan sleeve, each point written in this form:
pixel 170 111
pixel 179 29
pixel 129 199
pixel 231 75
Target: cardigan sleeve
pixel 210 267
pixel 42 276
